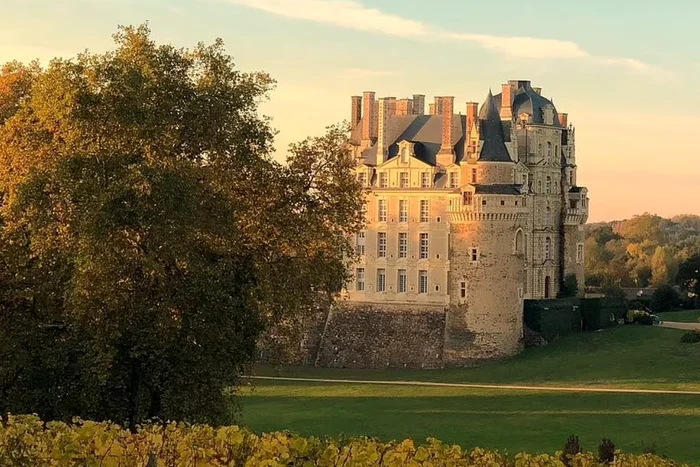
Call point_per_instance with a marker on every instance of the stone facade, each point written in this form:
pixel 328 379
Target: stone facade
pixel 467 214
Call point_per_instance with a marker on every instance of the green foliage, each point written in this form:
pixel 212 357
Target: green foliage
pixel 691 337
pixel 553 318
pixel 566 316
pixel 26 441
pixel 689 278
pixel 147 235
pixel 639 252
pixel 570 286
pixel 665 298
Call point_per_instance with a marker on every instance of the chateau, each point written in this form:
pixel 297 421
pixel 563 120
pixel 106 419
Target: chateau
pixel 468 214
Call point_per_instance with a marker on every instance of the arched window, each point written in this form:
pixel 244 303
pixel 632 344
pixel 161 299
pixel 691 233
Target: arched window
pixel 547 248
pixel 549 151
pixel 539 186
pixel 519 242
pixel 548 185
pixel 548 216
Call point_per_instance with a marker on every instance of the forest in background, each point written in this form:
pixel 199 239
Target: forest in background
pixel 644 251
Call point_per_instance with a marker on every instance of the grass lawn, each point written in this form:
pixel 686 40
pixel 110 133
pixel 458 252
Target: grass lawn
pixel 690 316
pixel 634 356
pixel 511 421
pixel 643 357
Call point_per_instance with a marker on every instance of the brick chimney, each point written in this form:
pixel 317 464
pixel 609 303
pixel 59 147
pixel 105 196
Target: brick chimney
pixel 564 120
pixel 356 111
pixel 382 116
pixel 431 109
pixel 538 91
pixel 438 105
pixel 368 115
pixel 391 105
pixel 446 155
pixel 404 107
pixel 375 121
pixel 419 104
pixel 472 114
pixel 507 96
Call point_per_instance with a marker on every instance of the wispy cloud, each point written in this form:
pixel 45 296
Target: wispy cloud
pixel 351 14
pixel 366 72
pixel 523 47
pixel 344 13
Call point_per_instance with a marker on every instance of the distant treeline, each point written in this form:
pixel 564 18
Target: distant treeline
pixel 646 250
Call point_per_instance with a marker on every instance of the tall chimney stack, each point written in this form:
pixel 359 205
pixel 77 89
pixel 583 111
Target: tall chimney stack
pixel 472 114
pixel 382 116
pixel 446 155
pixel 419 104
pixel 431 109
pixel 564 120
pixel 507 96
pixel 404 107
pixel 368 115
pixel 356 111
pixel 438 105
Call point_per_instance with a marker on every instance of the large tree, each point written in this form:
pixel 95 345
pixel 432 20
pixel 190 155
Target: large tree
pixel 148 237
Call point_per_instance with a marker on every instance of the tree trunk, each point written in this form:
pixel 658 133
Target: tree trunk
pixel 155 408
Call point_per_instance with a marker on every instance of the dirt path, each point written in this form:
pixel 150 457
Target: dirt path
pixel 478 386
pixel 677 325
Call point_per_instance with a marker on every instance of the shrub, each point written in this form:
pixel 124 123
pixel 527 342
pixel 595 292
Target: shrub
pixel 691 337
pixel 639 304
pixel 606 452
pixel 27 441
pixel 571 448
pixel 645 319
pixel 570 288
pixel 665 298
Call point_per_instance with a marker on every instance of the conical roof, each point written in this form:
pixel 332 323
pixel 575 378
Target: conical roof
pixel 491 133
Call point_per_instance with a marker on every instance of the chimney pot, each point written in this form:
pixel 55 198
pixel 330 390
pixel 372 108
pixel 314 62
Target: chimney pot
pixel 507 96
pixel 564 119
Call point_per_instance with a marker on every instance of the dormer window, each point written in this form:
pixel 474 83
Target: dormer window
pixel 548 115
pixel 404 155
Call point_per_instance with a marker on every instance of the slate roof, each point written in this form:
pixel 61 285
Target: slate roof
pixel 424 130
pixel 497 189
pixel 491 133
pixel 528 101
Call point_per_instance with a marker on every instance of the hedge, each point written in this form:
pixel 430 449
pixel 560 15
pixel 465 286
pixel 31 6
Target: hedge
pixel 26 441
pixel 566 316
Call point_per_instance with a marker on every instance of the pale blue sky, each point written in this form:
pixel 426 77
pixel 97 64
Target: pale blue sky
pixel 627 71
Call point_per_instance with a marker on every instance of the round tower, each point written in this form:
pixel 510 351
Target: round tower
pixel 487 254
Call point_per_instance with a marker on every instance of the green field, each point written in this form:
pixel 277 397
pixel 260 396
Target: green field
pixel 681 316
pixel 634 357
pixel 510 420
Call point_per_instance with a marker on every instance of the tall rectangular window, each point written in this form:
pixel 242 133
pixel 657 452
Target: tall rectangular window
pixel 360 243
pixel 381 244
pixel 383 180
pixel 422 281
pixel 403 210
pixel 381 210
pixel 454 179
pixel 424 246
pixel 463 291
pixel 474 179
pixel 403 180
pixel 475 255
pixel 402 281
pixel 360 279
pixel 468 198
pixel 425 180
pixel 403 245
pixel 381 280
pixel 424 210
pixel 579 253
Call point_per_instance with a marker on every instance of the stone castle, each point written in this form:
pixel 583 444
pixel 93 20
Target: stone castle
pixel 467 216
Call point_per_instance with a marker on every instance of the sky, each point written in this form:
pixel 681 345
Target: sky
pixel 627 72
